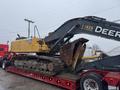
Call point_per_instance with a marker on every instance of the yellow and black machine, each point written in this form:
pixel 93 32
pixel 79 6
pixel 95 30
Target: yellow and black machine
pixel 55 53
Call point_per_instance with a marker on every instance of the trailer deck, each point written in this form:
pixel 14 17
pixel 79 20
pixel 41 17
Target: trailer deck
pixel 66 80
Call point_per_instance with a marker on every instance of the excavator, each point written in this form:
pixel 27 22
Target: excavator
pixel 55 53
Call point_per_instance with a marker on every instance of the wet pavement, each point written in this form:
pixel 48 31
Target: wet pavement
pixel 9 81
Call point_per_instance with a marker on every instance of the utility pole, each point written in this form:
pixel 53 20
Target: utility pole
pixel 29 22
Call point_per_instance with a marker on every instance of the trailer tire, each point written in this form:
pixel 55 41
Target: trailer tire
pixel 3 65
pixel 92 81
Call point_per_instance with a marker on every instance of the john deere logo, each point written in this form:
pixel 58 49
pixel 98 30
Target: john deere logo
pixel 108 32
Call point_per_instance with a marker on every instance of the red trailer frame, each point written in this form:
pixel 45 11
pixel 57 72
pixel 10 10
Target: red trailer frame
pixel 67 81
pixel 110 77
pixel 113 79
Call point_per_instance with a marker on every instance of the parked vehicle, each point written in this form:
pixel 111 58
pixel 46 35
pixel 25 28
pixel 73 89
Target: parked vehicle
pixel 3 51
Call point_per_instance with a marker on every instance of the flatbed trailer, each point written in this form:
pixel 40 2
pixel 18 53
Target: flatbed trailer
pixel 67 80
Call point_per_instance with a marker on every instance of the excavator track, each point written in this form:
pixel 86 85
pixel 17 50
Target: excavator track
pixel 42 64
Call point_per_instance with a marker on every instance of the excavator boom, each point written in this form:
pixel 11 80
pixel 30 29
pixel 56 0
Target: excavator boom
pixel 89 25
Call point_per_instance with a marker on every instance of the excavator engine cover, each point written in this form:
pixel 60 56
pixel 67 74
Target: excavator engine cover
pixel 33 45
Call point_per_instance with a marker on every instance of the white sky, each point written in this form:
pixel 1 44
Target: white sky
pixel 50 14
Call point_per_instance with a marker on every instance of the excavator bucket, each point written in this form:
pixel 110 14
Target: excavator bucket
pixel 72 53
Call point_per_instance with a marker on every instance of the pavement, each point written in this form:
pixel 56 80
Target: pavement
pixel 10 81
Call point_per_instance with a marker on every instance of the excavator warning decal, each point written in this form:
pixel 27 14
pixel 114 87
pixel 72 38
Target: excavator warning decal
pixel 87 27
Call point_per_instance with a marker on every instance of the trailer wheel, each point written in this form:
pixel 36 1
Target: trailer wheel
pixel 4 65
pixel 92 81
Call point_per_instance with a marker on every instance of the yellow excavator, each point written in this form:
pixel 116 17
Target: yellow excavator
pixel 55 52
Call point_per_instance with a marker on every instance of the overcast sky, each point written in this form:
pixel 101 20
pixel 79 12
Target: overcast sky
pixel 50 14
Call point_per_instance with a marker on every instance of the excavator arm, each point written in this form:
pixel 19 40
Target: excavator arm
pixel 89 25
